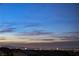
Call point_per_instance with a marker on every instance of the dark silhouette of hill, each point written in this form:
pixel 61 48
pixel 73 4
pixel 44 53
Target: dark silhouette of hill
pixel 4 51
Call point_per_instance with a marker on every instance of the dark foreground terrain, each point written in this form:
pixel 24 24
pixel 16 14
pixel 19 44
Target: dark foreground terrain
pixel 18 52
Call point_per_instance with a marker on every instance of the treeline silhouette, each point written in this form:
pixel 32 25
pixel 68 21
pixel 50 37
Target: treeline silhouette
pixel 4 51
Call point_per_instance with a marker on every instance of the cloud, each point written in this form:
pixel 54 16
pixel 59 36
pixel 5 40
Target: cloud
pixel 39 34
pixel 36 32
pixel 32 25
pixel 6 30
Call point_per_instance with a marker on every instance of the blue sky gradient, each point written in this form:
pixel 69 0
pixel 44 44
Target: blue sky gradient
pixel 37 17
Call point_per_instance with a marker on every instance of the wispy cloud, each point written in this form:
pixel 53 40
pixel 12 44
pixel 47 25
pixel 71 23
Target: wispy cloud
pixel 72 36
pixel 4 30
pixel 37 32
pixel 32 25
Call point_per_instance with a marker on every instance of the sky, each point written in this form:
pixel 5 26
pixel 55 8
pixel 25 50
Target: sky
pixel 23 23
pixel 46 17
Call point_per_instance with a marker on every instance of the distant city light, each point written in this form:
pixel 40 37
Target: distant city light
pixel 57 48
pixel 25 48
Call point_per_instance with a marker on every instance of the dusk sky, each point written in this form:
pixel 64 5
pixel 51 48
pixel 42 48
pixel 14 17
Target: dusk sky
pixel 46 25
pixel 40 17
